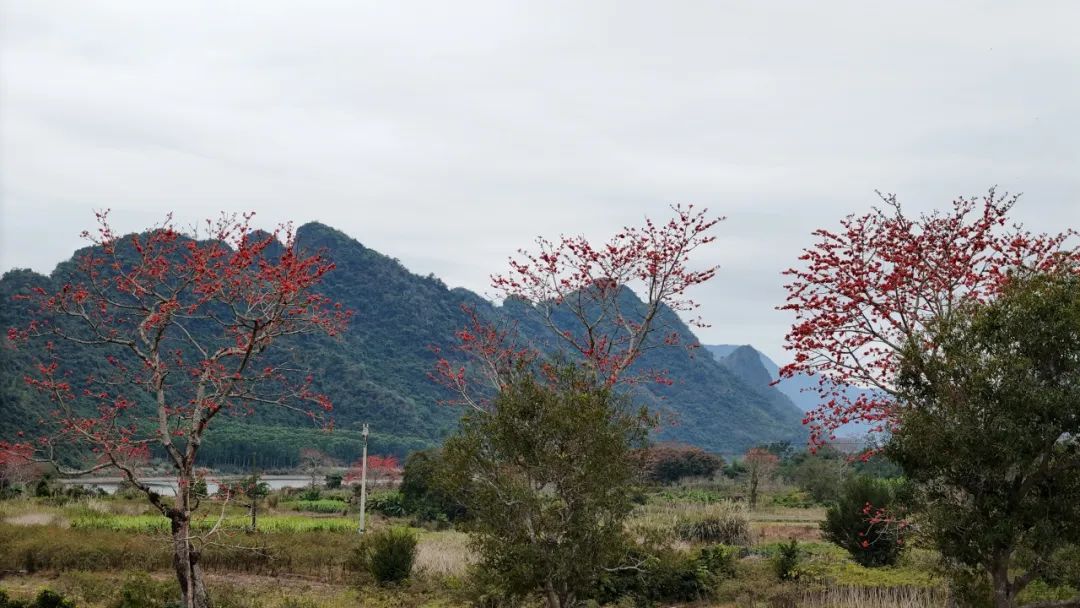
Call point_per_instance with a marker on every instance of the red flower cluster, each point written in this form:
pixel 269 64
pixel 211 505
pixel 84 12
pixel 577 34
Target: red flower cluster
pixel 863 292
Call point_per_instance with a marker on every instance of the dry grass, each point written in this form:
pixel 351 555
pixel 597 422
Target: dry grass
pixel 875 597
pixel 672 522
pixel 443 554
pixel 773 532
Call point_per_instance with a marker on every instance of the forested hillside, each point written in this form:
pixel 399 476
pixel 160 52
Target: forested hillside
pixel 377 372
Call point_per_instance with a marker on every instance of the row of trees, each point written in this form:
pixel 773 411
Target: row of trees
pixel 966 326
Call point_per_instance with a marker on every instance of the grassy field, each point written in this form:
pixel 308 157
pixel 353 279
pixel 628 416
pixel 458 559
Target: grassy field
pixel 100 551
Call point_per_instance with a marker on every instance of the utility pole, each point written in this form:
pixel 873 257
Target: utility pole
pixel 363 479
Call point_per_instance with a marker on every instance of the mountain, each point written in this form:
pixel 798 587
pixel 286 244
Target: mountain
pixel 377 371
pixel 801 390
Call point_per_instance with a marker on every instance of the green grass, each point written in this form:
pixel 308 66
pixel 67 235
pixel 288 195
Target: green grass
pixel 266 523
pixel 323 505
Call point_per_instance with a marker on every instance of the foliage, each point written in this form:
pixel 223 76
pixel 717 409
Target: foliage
pixel 819 474
pixel 141 591
pixel 388 554
pixel 545 475
pixel 332 481
pixel 665 574
pixel 390 504
pixel 991 421
pixel 850 522
pixel 786 561
pixel 46 598
pixel 423 495
pixel 669 462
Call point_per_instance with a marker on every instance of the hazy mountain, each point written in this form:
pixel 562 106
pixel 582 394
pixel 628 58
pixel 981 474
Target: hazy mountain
pixel 800 390
pixel 377 371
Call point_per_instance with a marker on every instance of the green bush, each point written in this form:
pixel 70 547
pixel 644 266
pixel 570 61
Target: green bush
pixel 666 574
pixel 786 561
pixel 424 496
pixel 390 504
pixel 847 523
pixel 141 591
pixel 387 554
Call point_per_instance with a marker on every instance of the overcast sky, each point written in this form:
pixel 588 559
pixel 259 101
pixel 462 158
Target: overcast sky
pixel 448 134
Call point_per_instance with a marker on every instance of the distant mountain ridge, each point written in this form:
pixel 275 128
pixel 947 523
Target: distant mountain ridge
pixel 376 372
pixel 801 390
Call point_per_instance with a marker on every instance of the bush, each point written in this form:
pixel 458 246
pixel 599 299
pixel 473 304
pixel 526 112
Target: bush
pixel 45 599
pixel 668 575
pixel 333 481
pixel 141 591
pixel 387 554
pixel 390 504
pixel 786 561
pixel 668 463
pixel 424 497
pixel 847 525
pixel 722 522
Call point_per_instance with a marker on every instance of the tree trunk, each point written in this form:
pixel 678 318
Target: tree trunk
pixel 186 563
pixel 1002 589
pixel 552 598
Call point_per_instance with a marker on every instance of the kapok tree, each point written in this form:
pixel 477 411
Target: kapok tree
pixel 863 292
pixel 760 464
pixel 182 327
pixel 545 492
pixel 380 470
pixel 881 294
pixel 578 291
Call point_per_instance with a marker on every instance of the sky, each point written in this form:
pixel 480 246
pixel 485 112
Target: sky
pixel 448 135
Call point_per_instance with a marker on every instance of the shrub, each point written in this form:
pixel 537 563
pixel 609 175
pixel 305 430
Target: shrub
pixel 141 591
pixel 846 522
pixel 423 495
pixel 722 522
pixel 668 463
pixel 333 481
pixel 665 574
pixel 786 561
pixel 390 504
pixel 388 554
pixel 719 560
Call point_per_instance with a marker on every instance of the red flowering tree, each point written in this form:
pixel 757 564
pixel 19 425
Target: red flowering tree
pixel 380 470
pixel 761 464
pixel 578 290
pixel 182 327
pixel 863 292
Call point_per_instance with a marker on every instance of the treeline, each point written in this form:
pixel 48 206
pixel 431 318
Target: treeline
pixel 237 445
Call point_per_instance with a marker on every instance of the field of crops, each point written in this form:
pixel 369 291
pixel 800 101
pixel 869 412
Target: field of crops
pixel 268 523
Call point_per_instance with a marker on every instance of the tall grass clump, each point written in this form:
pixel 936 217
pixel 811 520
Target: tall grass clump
pixel 387 554
pixel 875 597
pixel 714 523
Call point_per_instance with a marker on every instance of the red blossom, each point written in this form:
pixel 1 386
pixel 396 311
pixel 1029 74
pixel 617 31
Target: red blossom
pixel 862 292
pixel 182 320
